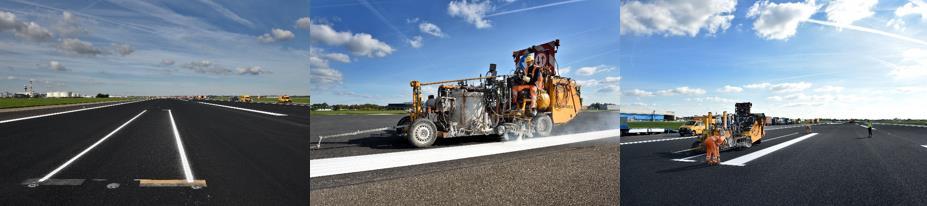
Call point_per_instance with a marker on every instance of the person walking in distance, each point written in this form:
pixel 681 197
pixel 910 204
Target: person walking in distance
pixel 869 127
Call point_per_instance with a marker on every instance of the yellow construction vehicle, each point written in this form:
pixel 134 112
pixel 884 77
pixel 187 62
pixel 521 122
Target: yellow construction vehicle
pixel 245 98
pixel 739 130
pixel 525 104
pixel 284 99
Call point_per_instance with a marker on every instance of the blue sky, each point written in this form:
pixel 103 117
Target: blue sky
pixel 369 51
pixel 842 59
pixel 155 47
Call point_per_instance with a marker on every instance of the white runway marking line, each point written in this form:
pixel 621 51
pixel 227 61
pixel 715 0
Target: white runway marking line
pixel 925 146
pixel 742 160
pixel 775 138
pixel 864 126
pixel 183 153
pixel 343 165
pixel 244 109
pixel 64 112
pixel 688 159
pixel 53 172
pixel 658 140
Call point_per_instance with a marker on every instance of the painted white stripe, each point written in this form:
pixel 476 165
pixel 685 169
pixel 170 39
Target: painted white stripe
pixel 342 165
pixel 742 160
pixel 244 109
pixel 688 159
pixel 64 112
pixel 925 146
pixel 775 138
pixel 183 153
pixel 53 172
pixel 658 140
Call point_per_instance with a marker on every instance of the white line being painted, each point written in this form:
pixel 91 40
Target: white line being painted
pixel 688 159
pixel 343 165
pixel 244 109
pixel 742 160
pixel 53 172
pixel 188 174
pixel 64 112
pixel 658 140
pixel 775 138
pixel 925 146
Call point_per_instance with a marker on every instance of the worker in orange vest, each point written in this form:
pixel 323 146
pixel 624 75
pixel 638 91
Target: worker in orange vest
pixel 712 152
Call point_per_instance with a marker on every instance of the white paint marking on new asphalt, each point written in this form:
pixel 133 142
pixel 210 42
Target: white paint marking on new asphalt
pixel 244 109
pixel 64 112
pixel 775 138
pixel 183 153
pixel 658 140
pixel 742 160
pixel 925 146
pixel 53 172
pixel 343 165
pixel 688 159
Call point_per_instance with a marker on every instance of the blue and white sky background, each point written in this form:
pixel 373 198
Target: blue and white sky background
pixel 367 51
pixel 807 59
pixel 155 47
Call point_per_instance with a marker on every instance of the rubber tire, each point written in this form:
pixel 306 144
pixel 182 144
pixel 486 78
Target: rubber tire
pixel 542 125
pixel 430 131
pixel 404 121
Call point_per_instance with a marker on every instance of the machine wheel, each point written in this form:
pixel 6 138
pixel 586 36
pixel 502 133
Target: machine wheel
pixel 542 125
pixel 404 121
pixel 422 133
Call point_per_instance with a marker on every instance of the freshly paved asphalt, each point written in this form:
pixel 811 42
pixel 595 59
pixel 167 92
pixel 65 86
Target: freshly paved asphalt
pixel 246 158
pixel 839 166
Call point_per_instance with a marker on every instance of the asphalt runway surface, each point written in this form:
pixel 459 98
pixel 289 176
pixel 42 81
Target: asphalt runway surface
pixel 837 166
pixel 245 158
pixel 582 173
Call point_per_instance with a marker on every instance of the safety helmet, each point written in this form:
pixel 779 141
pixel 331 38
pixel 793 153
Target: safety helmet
pixel 529 60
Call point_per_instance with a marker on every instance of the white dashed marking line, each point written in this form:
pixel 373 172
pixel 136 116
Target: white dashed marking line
pixel 244 109
pixel 53 172
pixel 183 154
pixel 743 160
pixel 64 112
pixel 775 138
pixel 658 140
pixel 343 165
pixel 688 159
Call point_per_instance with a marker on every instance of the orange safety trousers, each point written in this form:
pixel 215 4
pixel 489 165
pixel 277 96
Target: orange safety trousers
pixel 712 152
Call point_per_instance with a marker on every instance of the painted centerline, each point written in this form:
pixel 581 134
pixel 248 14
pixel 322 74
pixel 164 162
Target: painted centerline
pixel 188 174
pixel 244 109
pixel 53 172
pixel 743 160
pixel 343 165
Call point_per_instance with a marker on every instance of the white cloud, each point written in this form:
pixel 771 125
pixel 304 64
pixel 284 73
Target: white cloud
pixel 358 43
pixel 588 83
pixel 57 66
pixel 587 71
pixel 68 26
pixel 473 12
pixel 416 42
pixel 845 12
pixel 321 75
pixel 829 88
pixel 676 18
pixel 252 70
pixel 343 58
pixel 914 7
pixel 639 93
pixel 682 91
pixel 790 87
pixel 276 35
pixel 730 89
pixel 610 89
pixel 76 46
pixel 206 67
pixel 896 23
pixel 913 65
pixel 711 99
pixel 763 85
pixel 303 23
pixel 167 62
pixel 612 80
pixel 910 89
pixel 123 49
pixel 779 21
pixel 431 29
pixel 781 87
pixel 30 31
pixel 564 70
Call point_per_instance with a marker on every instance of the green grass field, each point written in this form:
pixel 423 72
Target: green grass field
pixel 669 125
pixel 913 121
pixel 32 102
pixel 358 112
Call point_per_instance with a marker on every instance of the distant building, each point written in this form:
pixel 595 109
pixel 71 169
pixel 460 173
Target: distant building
pixel 399 106
pixel 6 94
